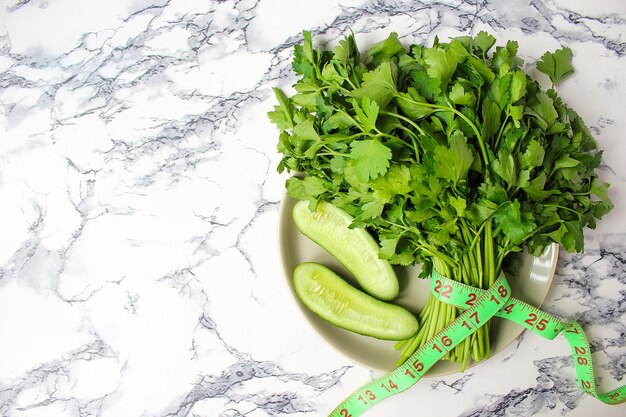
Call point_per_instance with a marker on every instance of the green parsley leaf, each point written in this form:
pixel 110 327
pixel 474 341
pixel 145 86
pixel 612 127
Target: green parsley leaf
pixel 574 240
pixel 516 113
pixel 601 190
pixel 427 86
pixel 338 121
pixel 366 113
pixel 282 115
pixel 410 103
pixel 385 50
pixel 330 74
pixel 370 158
pixel 480 67
pixel 536 188
pixel 337 164
pixel 491 118
pixel 459 204
pixel 453 163
pixel 306 131
pixel 306 188
pixel 533 156
pixel 481 210
pixel 388 247
pixel 303 57
pixel 378 85
pixel 405 258
pixel 557 65
pixel 484 41
pixel 515 224
pixel 504 166
pixel 458 95
pixel 307 46
pixel 518 86
pixel 373 205
pixel 506 56
pixel 499 91
pixel 347 52
pixel 565 162
pixel 441 64
pixel 307 95
pixel 395 181
pixel 542 107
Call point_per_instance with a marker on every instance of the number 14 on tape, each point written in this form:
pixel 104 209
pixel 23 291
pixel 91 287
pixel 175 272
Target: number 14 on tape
pixel 481 306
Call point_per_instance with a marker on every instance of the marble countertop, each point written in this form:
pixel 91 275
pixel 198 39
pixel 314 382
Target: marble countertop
pixel 139 274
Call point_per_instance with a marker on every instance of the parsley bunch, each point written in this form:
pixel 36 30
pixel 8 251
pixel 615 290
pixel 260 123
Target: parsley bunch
pixel 450 155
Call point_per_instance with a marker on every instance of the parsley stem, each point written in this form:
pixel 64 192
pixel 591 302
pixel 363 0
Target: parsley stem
pixel 465 353
pixel 479 137
pixel 345 91
pixel 478 256
pixel 413 141
pixel 564 208
pixel 458 242
pixel 343 139
pixel 481 346
pixel 540 228
pixel 465 267
pixel 354 87
pixel 477 237
pixel 352 119
pixel 386 135
pixel 438 255
pixel 488 264
pixel 501 257
pixel 408 131
pixel 502 130
pixel 472 271
pixel 406 119
pixel 332 153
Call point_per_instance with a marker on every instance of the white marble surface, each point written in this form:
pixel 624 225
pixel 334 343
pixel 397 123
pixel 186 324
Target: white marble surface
pixel 139 204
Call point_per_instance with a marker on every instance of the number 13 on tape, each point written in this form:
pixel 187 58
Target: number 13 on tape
pixel 484 308
pixel 481 307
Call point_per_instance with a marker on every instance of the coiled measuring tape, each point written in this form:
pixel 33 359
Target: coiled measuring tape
pixel 480 306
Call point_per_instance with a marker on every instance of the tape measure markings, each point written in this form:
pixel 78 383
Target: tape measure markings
pixel 515 310
pixel 405 376
pixel 480 306
pixel 544 325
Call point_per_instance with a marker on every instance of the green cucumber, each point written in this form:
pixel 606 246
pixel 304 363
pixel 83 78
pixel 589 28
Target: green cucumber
pixel 356 249
pixel 334 300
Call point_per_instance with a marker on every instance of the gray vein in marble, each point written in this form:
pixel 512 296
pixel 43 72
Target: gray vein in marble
pixel 27 249
pixel 556 385
pixel 17 5
pixel 264 207
pixel 228 384
pixel 537 16
pixel 47 376
pixel 455 386
pixel 554 388
pixel 586 279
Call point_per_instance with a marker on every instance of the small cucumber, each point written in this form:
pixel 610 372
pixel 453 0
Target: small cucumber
pixel 355 248
pixel 334 300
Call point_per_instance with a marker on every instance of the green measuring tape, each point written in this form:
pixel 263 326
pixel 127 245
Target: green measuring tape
pixel 480 305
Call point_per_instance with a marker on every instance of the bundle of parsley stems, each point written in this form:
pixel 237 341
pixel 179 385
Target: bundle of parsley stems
pixel 450 155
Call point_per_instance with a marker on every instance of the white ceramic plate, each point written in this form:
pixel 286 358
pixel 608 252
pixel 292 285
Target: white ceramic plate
pixel 530 285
